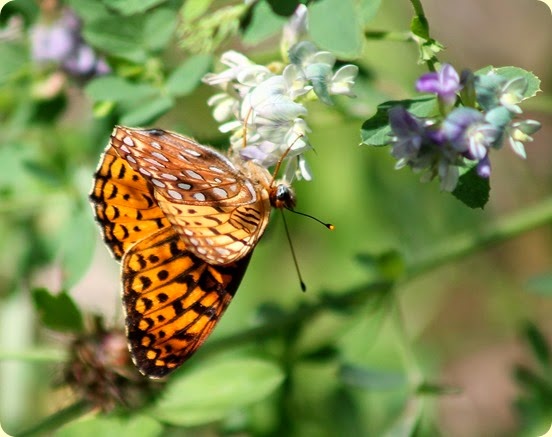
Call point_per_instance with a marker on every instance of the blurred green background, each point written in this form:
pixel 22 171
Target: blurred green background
pixel 465 319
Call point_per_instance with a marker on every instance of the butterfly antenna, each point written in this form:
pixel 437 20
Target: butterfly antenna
pixel 327 225
pixel 244 136
pixel 303 286
pixel 279 163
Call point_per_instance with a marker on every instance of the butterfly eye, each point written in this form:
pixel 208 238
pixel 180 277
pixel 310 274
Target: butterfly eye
pixel 283 197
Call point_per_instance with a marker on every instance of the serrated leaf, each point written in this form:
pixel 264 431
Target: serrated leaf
pixel 472 190
pixel 211 392
pixel 58 312
pixel 117 89
pixel 130 7
pixel 131 426
pixel 541 284
pixel 147 112
pixel 345 41
pixel 533 82
pixel 376 131
pixel 187 76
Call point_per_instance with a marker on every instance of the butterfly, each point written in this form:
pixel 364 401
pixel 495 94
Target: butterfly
pixel 183 220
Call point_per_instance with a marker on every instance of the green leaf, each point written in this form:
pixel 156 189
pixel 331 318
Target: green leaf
pixel 87 10
pixel 159 29
pixel 131 426
pixel 284 8
pixel 472 190
pixel 14 57
pixel 376 131
pixel 328 30
pixel 420 27
pixel 44 173
pixel 187 76
pixel 387 265
pixel 539 345
pixel 211 392
pixel 130 7
pixel 77 248
pixel 118 37
pixel 541 284
pixel 428 388
pixel 369 9
pixel 193 9
pixel 117 89
pixel 533 82
pixel 58 312
pixel 264 24
pixel 147 112
pixel 371 379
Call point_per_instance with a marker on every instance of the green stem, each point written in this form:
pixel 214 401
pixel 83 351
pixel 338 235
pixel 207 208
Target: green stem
pixel 54 421
pixel 419 9
pixel 455 248
pixel 413 370
pixel 36 356
pixel 475 240
pixel 375 291
pixel 389 36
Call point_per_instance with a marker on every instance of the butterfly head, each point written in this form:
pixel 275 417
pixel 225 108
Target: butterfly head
pixel 282 195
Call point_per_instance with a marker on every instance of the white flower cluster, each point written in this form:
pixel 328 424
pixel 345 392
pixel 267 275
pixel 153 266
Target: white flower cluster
pixel 264 110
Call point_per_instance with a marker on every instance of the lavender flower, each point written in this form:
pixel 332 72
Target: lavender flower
pixel 468 133
pixel 60 43
pixel 445 84
pixel 441 145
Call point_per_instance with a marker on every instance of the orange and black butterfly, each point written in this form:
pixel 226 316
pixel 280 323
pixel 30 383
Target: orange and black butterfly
pixel 183 219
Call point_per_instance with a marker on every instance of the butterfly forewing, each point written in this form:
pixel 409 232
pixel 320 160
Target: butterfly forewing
pixel 218 208
pixel 172 300
pixel 124 204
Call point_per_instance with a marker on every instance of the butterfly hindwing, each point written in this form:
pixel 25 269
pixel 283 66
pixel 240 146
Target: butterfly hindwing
pixel 172 300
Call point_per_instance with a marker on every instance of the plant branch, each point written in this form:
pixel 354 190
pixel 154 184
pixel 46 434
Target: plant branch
pixel 454 248
pixel 54 421
pixel 473 240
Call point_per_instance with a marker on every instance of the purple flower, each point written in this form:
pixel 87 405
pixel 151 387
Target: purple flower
pixel 469 133
pixel 484 168
pixel 445 83
pixel 408 133
pixel 60 42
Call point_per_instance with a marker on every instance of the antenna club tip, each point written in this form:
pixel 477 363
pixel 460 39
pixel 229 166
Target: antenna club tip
pixel 330 226
pixel 303 287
